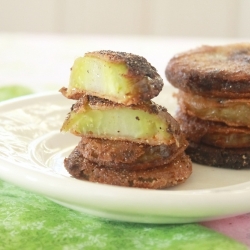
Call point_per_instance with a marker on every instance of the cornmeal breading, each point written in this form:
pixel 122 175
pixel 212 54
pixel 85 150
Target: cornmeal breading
pixel 176 172
pixel 213 71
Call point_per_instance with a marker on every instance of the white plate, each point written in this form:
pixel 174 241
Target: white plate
pixel 32 150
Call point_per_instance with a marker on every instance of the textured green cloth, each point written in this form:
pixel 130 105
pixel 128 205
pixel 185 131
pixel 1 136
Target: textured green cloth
pixel 29 221
pixel 13 91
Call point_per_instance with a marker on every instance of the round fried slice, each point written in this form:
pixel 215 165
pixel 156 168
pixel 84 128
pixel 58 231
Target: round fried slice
pixel 213 133
pixel 146 122
pixel 118 76
pixel 233 112
pixel 219 157
pixel 174 173
pixel 128 155
pixel 219 71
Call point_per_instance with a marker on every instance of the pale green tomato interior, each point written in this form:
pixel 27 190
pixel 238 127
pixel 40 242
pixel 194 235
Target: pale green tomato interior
pixel 98 76
pixel 119 123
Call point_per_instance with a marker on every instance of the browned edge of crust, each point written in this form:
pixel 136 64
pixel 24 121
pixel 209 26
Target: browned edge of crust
pixel 129 155
pixel 219 71
pixel 137 65
pixel 195 128
pixel 95 102
pixel 174 173
pixel 218 157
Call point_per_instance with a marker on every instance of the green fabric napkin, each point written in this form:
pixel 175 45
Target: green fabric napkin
pixel 30 221
pixel 7 92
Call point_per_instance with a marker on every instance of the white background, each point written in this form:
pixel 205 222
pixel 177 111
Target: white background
pixel 179 18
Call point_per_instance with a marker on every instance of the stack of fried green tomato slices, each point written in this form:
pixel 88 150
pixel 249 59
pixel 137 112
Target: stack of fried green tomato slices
pixel 126 138
pixel 214 101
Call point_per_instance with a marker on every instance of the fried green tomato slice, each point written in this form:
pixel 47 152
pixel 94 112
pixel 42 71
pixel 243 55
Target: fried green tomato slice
pixel 217 71
pixel 100 118
pixel 213 133
pixel 233 112
pixel 118 76
pixel 233 158
pixel 128 155
pixel 172 174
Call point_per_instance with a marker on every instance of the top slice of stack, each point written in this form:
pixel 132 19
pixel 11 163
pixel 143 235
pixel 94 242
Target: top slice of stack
pixel 118 76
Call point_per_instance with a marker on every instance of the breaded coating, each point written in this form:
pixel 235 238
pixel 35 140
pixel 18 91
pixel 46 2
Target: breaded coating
pixel 235 158
pixel 214 71
pixel 128 155
pixel 215 134
pixel 176 172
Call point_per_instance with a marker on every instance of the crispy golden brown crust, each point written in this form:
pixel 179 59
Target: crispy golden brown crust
pixel 95 102
pixel 174 173
pixel 192 127
pixel 137 65
pixel 199 131
pixel 73 94
pixel 128 155
pixel 215 71
pixel 219 157
pixel 233 112
pixel 147 83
